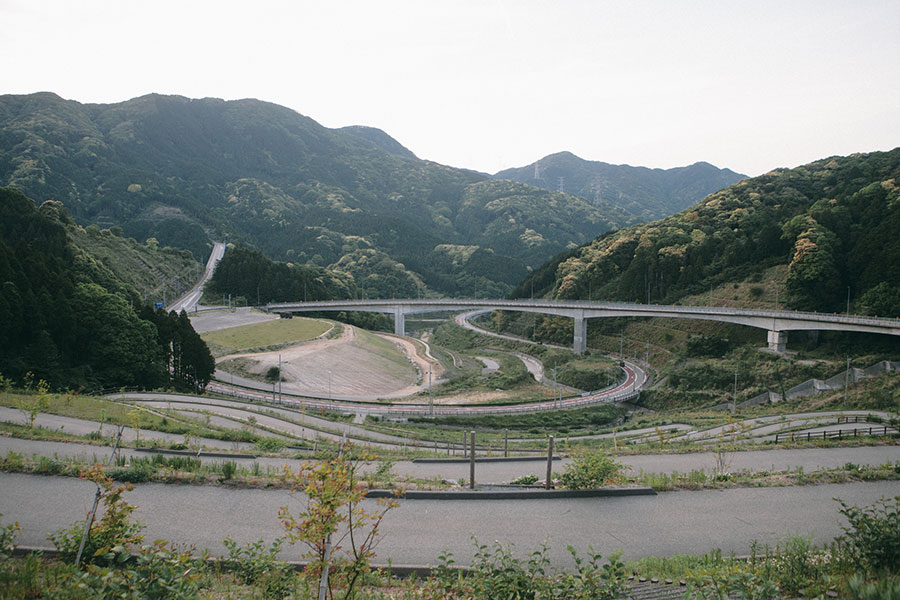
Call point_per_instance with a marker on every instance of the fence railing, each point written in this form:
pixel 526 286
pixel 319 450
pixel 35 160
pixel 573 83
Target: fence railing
pixel 838 434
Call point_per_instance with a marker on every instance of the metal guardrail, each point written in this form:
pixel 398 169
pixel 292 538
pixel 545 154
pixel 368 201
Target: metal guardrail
pixel 893 322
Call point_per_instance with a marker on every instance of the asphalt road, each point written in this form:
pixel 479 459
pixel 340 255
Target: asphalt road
pixel 189 300
pixel 418 530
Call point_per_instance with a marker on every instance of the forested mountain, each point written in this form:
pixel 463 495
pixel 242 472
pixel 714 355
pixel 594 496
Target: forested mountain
pixel 833 222
pixel 648 193
pixel 67 318
pixel 181 170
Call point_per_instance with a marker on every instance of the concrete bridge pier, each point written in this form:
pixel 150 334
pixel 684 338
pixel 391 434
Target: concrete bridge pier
pixel 399 321
pixel 579 340
pixel 777 341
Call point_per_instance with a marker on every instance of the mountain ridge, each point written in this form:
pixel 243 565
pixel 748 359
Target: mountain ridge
pixel 253 172
pixel 658 193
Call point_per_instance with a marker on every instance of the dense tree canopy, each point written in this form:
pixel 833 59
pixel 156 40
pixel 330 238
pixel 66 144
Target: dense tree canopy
pixel 72 331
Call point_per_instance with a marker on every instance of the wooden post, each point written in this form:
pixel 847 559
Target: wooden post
pixel 550 463
pixel 472 461
pixel 465 443
pixel 506 443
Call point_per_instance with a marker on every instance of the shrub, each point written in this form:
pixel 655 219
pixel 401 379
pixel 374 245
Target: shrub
pixel 228 469
pixel 254 564
pixel 270 444
pixel 590 468
pixel 133 473
pixel 8 535
pixel 157 571
pixel 873 535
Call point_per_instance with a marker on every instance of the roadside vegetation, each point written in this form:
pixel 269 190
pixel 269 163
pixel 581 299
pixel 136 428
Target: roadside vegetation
pixel 116 562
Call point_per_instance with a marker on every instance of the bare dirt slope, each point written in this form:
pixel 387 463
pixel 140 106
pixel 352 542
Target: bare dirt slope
pixel 356 364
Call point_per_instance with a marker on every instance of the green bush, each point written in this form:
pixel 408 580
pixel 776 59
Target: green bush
pixel 133 473
pixel 156 572
pixel 270 444
pixel 8 536
pixel 254 564
pixel 229 468
pixel 590 468
pixel 873 535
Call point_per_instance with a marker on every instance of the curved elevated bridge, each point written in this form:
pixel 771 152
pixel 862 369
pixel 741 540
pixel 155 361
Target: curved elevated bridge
pixel 776 322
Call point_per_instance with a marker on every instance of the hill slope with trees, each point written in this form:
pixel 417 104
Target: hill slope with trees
pixel 66 318
pixel 182 170
pixel 833 223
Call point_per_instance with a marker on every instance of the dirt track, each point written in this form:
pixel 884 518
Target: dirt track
pixel 347 367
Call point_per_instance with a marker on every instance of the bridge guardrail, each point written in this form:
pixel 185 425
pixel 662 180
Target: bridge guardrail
pixel 583 304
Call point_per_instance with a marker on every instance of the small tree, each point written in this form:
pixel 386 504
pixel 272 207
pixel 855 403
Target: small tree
pixel 114 529
pixel 339 533
pixel 36 399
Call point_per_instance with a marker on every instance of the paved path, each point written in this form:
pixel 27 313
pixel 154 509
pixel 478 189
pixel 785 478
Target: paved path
pixel 417 531
pixel 810 459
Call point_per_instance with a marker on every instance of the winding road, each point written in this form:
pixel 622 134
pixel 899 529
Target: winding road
pixel 419 530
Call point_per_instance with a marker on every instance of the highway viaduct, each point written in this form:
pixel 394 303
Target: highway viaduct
pixel 776 322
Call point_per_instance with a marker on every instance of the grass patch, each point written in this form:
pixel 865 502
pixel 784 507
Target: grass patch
pixel 266 334
pixel 390 358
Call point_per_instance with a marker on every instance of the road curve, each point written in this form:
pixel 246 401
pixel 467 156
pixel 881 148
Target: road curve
pixel 418 530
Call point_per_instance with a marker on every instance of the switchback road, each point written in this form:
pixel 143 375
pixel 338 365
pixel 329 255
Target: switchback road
pixel 419 530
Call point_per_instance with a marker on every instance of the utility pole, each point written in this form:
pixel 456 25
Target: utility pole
pixel 734 396
pixel 846 380
pixel 430 394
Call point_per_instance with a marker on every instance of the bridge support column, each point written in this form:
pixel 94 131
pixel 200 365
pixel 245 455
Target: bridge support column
pixel 399 321
pixel 777 341
pixel 579 340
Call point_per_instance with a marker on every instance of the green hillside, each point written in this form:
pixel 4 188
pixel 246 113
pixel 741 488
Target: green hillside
pixel 71 309
pixel 832 223
pixel 648 193
pixel 182 170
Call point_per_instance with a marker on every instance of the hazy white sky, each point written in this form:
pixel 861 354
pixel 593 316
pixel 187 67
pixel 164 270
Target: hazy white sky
pixel 491 84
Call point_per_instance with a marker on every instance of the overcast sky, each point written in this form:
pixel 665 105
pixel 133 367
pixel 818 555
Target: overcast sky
pixel 491 84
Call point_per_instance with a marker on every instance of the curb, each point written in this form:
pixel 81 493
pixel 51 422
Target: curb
pixel 483 459
pixel 194 454
pixel 512 494
pixel 395 570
